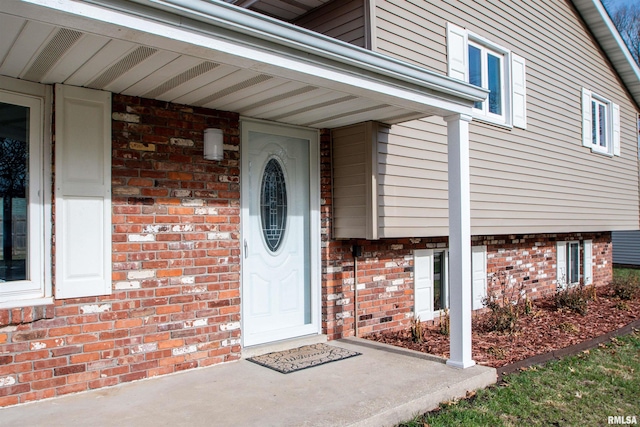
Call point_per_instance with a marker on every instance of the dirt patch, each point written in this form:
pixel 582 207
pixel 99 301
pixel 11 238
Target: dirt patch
pixel 544 330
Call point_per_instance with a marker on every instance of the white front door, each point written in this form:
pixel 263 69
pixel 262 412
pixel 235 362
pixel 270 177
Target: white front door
pixel 279 285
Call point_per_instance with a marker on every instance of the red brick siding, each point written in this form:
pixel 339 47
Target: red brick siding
pixel 176 292
pixel 531 259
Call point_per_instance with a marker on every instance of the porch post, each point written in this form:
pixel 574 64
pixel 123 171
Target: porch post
pixel 459 241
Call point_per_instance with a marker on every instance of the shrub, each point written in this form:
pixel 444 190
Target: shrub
pixel 505 304
pixel 574 298
pixel 625 287
pixel 417 331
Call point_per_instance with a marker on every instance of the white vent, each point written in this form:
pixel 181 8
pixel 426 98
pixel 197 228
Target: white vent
pixel 181 79
pixel 231 89
pixel 51 54
pixel 122 66
pixel 280 97
pixel 351 113
pixel 316 106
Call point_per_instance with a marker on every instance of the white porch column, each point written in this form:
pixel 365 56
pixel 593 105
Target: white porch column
pixel 459 241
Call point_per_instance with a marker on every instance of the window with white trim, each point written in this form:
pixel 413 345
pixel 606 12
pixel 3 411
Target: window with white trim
pixel 485 64
pixel 600 124
pixel 574 263
pixel 24 195
pixel 431 280
pixel 440 279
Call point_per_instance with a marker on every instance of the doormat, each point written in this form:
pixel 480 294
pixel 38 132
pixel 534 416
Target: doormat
pixel 303 357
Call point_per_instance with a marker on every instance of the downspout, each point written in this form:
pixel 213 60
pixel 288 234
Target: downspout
pixel 356 250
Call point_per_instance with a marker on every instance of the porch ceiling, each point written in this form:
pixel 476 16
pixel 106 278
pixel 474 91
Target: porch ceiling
pixel 154 54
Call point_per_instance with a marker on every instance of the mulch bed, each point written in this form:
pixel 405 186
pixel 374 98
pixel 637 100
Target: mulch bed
pixel 543 331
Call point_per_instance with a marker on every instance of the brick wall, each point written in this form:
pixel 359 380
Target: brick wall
pixel 176 265
pixel 531 259
pixel 176 292
pixel 385 275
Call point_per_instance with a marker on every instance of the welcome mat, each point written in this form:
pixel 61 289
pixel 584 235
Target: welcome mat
pixel 303 357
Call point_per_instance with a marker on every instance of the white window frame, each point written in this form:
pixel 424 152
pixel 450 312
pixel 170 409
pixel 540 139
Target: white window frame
pixel 487 48
pixel 36 289
pixel 445 282
pixel 563 263
pixel 513 96
pixel 569 263
pixel 612 124
pixel 424 281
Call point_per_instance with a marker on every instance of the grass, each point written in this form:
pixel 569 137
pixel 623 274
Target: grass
pixel 626 272
pixel 578 390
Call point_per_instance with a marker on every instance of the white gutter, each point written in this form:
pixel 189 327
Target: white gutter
pixel 311 44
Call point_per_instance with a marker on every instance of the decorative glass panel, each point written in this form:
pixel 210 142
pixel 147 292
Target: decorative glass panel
pixel 14 155
pixel 273 204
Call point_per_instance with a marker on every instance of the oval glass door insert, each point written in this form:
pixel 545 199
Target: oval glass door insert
pixel 273 204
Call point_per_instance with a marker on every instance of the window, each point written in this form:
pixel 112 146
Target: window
pixel 600 124
pixel 440 280
pixel 24 195
pixel 485 64
pixel 486 71
pixel 573 263
pixel 431 280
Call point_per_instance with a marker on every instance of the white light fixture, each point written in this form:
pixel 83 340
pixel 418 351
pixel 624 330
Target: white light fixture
pixel 213 144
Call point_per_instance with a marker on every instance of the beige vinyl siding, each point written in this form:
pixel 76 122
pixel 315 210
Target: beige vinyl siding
pixel 342 20
pixel 538 180
pixel 351 181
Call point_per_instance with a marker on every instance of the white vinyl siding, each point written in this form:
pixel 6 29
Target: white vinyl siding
pixel 536 181
pixel 83 192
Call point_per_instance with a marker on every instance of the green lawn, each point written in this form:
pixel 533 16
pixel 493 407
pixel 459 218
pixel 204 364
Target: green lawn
pixel 581 390
pixel 626 272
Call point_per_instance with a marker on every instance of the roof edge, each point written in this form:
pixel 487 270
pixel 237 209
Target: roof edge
pixel 597 19
pixel 306 42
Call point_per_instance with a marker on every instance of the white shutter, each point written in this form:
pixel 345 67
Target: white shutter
pixel 586 118
pixel 519 91
pixel 478 275
pixel 588 262
pixel 423 281
pixel 83 192
pixel 457 45
pixel 615 108
pixel 561 264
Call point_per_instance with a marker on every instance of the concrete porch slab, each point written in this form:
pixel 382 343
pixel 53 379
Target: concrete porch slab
pixel 383 386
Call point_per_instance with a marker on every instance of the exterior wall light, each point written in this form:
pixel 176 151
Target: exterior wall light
pixel 213 144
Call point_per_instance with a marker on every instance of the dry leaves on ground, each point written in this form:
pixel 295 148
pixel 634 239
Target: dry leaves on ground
pixel 543 330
